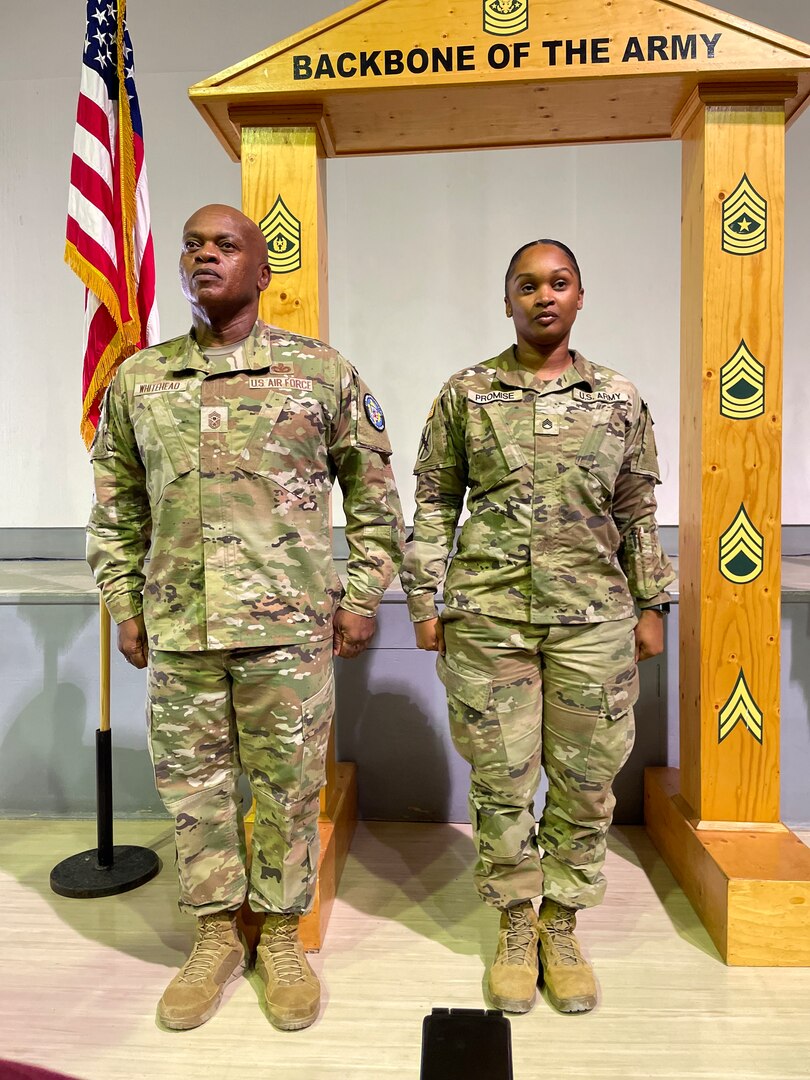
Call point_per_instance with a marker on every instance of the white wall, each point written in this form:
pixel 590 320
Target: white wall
pixel 418 245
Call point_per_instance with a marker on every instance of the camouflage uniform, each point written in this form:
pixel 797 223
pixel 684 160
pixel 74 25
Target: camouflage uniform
pixel 220 467
pixel 560 547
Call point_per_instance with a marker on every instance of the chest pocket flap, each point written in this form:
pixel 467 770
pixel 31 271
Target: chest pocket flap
pixel 162 450
pixel 492 450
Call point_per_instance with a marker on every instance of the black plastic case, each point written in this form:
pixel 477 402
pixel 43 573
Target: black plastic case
pixel 466 1044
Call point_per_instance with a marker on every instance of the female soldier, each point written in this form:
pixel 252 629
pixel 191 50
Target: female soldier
pixel 539 637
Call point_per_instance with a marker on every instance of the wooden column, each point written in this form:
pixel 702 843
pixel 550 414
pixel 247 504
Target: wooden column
pixel 284 191
pixel 718 824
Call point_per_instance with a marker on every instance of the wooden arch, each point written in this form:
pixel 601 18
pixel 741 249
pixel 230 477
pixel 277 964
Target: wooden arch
pixel 401 76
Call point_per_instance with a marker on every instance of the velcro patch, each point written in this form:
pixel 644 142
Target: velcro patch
pixel 600 397
pixel 280 382
pixel 157 387
pixel 214 418
pixel 547 425
pixel 494 395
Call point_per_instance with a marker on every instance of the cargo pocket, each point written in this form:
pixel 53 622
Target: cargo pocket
pixel 615 733
pixel 474 725
pixel 588 734
pixel 316 721
pixel 161 447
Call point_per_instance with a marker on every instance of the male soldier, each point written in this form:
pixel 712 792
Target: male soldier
pixel 216 453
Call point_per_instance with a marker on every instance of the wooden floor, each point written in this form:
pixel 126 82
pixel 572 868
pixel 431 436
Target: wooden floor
pixel 79 979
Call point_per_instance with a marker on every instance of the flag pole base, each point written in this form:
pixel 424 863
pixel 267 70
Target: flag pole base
pixel 82 877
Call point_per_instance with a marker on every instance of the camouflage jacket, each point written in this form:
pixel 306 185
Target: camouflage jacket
pixel 223 478
pixel 561 477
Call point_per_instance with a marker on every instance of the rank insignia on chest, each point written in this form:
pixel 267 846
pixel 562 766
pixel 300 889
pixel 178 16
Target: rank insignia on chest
pixel 373 412
pixel 214 418
pixel 547 425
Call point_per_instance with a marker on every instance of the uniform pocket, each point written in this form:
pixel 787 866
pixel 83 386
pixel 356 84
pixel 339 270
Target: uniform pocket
pixel 589 732
pixel 492 453
pixel 316 721
pixel 469 687
pixel 162 450
pixel 285 444
pixel 602 450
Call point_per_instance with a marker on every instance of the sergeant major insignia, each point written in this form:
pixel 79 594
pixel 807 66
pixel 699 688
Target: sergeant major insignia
pixel 506 17
pixel 742 550
pixel 282 231
pixel 745 220
pixel 742 386
pixel 374 412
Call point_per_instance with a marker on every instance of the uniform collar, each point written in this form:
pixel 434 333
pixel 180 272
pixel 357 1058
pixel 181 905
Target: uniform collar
pixel 189 355
pixel 510 373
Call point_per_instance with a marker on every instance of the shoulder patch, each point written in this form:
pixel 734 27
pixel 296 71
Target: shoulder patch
pixel 374 412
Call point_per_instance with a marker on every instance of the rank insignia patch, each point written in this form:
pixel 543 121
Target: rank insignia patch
pixel 282 231
pixel 741 708
pixel 742 550
pixel 745 220
pixel 742 386
pixel 506 17
pixel 374 412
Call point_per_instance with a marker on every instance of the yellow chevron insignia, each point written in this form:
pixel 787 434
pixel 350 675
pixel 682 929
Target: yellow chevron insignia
pixel 282 231
pixel 742 386
pixel 742 550
pixel 741 707
pixel 505 17
pixel 745 220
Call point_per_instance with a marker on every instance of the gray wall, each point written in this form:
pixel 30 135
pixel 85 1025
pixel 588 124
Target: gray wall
pixel 391 721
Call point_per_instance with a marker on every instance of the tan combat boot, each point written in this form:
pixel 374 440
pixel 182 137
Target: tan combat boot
pixel 513 975
pixel 567 974
pixel 218 956
pixel 292 992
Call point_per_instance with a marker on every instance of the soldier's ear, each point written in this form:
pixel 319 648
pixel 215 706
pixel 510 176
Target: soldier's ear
pixel 508 307
pixel 580 299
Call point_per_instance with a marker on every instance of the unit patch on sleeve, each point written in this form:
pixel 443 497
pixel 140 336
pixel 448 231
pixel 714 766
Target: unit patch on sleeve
pixel 374 412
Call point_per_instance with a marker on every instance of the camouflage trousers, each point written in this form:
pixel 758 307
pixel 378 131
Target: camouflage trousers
pixel 522 698
pixel 266 712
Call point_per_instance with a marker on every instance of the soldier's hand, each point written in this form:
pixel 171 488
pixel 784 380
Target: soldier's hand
pixel 649 635
pixel 430 635
pixel 132 641
pixel 351 633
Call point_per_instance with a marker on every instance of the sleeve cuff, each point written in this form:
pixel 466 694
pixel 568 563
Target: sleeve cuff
pixel 422 606
pixel 124 607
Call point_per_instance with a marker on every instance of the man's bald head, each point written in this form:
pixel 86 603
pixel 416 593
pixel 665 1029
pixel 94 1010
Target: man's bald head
pixel 223 263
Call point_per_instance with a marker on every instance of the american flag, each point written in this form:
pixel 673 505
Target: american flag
pixel 109 236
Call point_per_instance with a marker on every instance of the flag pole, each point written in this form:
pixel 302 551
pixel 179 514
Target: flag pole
pixel 120 317
pixel 107 869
